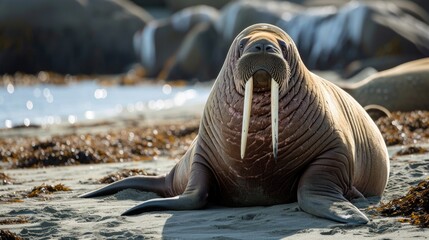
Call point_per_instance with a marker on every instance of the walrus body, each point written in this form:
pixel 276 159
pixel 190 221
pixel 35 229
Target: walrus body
pixel 402 88
pixel 321 150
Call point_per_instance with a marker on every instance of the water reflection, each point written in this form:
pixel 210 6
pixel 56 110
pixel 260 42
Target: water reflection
pixel 29 105
pixel 10 88
pixel 89 115
pixel 27 122
pixel 52 104
pixel 182 97
pixel 8 123
pixel 100 93
pixel 48 96
pixel 72 119
pixel 166 89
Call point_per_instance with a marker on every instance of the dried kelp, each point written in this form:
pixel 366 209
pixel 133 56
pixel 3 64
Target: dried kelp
pixel 124 173
pixel 47 189
pixel 19 220
pixel 8 235
pixel 11 200
pixel 404 127
pixel 35 192
pixel 412 150
pixel 5 179
pixel 414 206
pixel 118 145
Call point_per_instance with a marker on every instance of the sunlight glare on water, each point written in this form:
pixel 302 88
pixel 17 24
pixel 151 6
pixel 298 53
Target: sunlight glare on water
pixel 72 119
pixel 10 88
pixel 100 93
pixel 166 89
pixel 52 104
pixel 29 105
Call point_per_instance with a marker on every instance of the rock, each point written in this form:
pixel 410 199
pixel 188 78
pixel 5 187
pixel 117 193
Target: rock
pixel 343 38
pixel 68 36
pixel 195 59
pixel 149 3
pixel 160 40
pixel 177 5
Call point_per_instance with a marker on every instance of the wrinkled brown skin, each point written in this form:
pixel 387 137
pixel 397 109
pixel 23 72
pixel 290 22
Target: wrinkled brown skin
pixel 330 151
pixel 402 88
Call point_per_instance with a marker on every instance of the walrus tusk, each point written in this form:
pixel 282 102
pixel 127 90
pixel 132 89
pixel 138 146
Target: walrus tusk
pixel 248 95
pixel 275 115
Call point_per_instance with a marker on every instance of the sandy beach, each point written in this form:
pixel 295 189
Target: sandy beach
pixel 62 215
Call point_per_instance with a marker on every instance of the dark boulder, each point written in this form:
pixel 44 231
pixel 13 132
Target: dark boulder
pixel 68 36
pixel 159 42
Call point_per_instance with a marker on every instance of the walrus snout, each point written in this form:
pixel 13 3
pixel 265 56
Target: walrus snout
pixel 262 67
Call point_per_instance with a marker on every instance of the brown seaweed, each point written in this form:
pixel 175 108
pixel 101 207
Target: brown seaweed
pixel 8 235
pixel 47 189
pixel 5 179
pixel 124 173
pixel 118 145
pixel 12 200
pixel 414 206
pixel 404 127
pixel 411 150
pixel 19 220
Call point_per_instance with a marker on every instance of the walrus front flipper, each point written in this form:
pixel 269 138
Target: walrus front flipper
pixel 144 183
pixel 321 192
pixel 195 195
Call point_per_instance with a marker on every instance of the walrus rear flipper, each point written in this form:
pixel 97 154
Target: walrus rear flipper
pixel 143 183
pixel 195 195
pixel 181 202
pixel 320 191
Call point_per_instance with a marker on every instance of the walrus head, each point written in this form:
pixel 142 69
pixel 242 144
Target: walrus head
pixel 262 63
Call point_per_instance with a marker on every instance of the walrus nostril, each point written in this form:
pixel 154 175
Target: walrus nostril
pixel 269 48
pixel 262 46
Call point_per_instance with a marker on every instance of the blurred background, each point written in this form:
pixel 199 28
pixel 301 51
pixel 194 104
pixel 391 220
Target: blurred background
pixel 72 60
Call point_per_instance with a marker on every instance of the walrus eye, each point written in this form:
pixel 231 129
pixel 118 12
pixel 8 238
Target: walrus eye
pixel 241 45
pixel 283 47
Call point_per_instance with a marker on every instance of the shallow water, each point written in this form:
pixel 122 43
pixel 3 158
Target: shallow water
pixel 53 104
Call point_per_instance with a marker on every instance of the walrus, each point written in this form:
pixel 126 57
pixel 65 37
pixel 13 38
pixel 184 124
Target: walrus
pixel 272 132
pixel 402 88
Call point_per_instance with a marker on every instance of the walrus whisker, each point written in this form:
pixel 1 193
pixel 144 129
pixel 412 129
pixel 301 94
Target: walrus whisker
pixel 248 95
pixel 275 116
